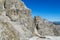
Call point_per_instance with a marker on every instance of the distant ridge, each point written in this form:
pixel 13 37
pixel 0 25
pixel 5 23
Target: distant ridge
pixel 56 23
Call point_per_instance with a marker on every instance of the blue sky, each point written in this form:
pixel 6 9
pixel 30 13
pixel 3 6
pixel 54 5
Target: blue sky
pixel 47 9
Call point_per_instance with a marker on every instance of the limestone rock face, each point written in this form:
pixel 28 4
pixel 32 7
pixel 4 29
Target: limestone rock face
pixel 57 32
pixel 16 22
pixel 7 32
pixel 44 27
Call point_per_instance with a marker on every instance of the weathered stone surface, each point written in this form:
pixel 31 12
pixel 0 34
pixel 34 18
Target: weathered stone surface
pixel 7 32
pixel 16 23
pixel 37 38
pixel 43 26
pixel 48 38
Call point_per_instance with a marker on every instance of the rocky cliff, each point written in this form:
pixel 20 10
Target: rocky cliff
pixel 16 23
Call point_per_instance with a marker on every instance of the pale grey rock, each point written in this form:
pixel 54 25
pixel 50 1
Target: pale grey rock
pixel 48 38
pixel 16 23
pixel 43 26
pixel 37 38
pixel 17 16
pixel 8 32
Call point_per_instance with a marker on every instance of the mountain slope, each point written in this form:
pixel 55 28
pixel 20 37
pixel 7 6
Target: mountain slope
pixel 16 23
